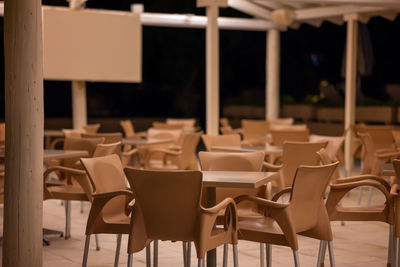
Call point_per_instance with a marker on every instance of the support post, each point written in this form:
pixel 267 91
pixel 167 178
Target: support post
pixel 272 74
pixel 350 95
pixel 22 244
pixel 212 63
pixel 78 92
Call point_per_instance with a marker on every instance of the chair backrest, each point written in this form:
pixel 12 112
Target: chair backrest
pixel 307 197
pixel 128 128
pixel 281 121
pixel 106 174
pixel 325 160
pixel 280 136
pixel 88 144
pixel 73 133
pixel 334 143
pixel 186 122
pixel 107 149
pixel 189 145
pixel 224 122
pixel 170 197
pixel 254 129
pixel 224 161
pixel 369 156
pixel 278 127
pixel 109 138
pixel 220 140
pixel 381 135
pixel 166 126
pixel 296 154
pixel 163 134
pixel 91 128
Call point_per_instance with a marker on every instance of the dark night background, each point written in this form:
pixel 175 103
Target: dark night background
pixel 174 66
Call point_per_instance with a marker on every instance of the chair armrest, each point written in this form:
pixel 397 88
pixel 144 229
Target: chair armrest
pixel 130 152
pixel 65 170
pixel 110 195
pixel 272 167
pixel 364 178
pixel 56 141
pixel 220 206
pixel 344 188
pixel 387 154
pixel 280 193
pixel 263 202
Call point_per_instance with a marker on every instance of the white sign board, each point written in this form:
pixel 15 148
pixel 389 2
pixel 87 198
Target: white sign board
pixel 91 45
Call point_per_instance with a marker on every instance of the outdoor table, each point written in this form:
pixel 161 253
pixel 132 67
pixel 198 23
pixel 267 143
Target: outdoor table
pixel 59 154
pixel 146 142
pixel 49 134
pixel 267 149
pixel 236 179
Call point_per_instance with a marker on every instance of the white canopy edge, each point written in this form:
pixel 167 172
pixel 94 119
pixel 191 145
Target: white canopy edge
pixel 193 21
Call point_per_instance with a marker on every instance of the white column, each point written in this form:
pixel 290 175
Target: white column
pixel 79 106
pixel 273 63
pixel 212 71
pixel 351 76
pixel 22 245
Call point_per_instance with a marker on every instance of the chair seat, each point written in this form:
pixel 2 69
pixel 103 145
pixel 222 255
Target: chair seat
pixel 361 209
pixel 117 219
pixel 262 224
pixel 68 192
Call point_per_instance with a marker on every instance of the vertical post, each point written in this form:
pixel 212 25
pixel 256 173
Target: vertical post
pixel 212 63
pixel 272 74
pixel 79 106
pixel 351 76
pixel 22 244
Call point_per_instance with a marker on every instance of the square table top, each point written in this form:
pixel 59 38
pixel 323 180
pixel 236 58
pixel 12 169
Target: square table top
pixel 59 154
pixel 236 179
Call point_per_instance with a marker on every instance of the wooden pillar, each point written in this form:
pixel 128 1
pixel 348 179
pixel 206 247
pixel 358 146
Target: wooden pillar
pixel 272 74
pixel 79 106
pixel 22 244
pixel 212 63
pixel 350 95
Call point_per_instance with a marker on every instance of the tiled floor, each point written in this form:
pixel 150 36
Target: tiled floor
pixel 355 244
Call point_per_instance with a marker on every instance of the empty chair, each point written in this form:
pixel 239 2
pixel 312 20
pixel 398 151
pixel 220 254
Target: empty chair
pixel 333 148
pixel 226 127
pixel 380 213
pixel 295 154
pixel 163 125
pixel 182 159
pixel 305 214
pixel 186 122
pixel 381 136
pixel 129 129
pixel 91 128
pixel 109 213
pixel 167 207
pixel 281 121
pixel 255 130
pixel 220 140
pixel 280 136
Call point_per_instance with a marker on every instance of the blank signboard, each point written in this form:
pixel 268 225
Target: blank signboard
pixel 91 45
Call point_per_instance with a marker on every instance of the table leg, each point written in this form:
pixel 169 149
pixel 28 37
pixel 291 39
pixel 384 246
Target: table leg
pixel 211 201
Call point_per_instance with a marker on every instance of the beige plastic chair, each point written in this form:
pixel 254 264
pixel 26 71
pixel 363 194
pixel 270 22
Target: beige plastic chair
pixel 381 136
pixel 172 159
pixel 381 213
pixel 91 128
pixel 281 121
pixel 166 126
pixel 129 130
pixel 187 122
pixel 305 214
pixel 109 213
pixel 173 198
pixel 68 133
pixel 109 138
pixel 295 154
pixel 280 136
pixel 226 127
pixel 333 148
pixel 374 158
pixel 255 130
pixel 220 140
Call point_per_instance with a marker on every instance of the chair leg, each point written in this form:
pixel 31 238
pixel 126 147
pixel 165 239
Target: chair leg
pixel 396 252
pixel 321 253
pixel 188 253
pixel 130 260
pixel 184 253
pixel 200 262
pixel 262 256
pixel 360 195
pixel 155 253
pixel 235 256
pixel 148 256
pixel 96 237
pixel 296 258
pixel 116 260
pixel 369 195
pixel 390 245
pixel 86 251
pixel 331 256
pixel 268 250
pixel 225 258
pixel 67 219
